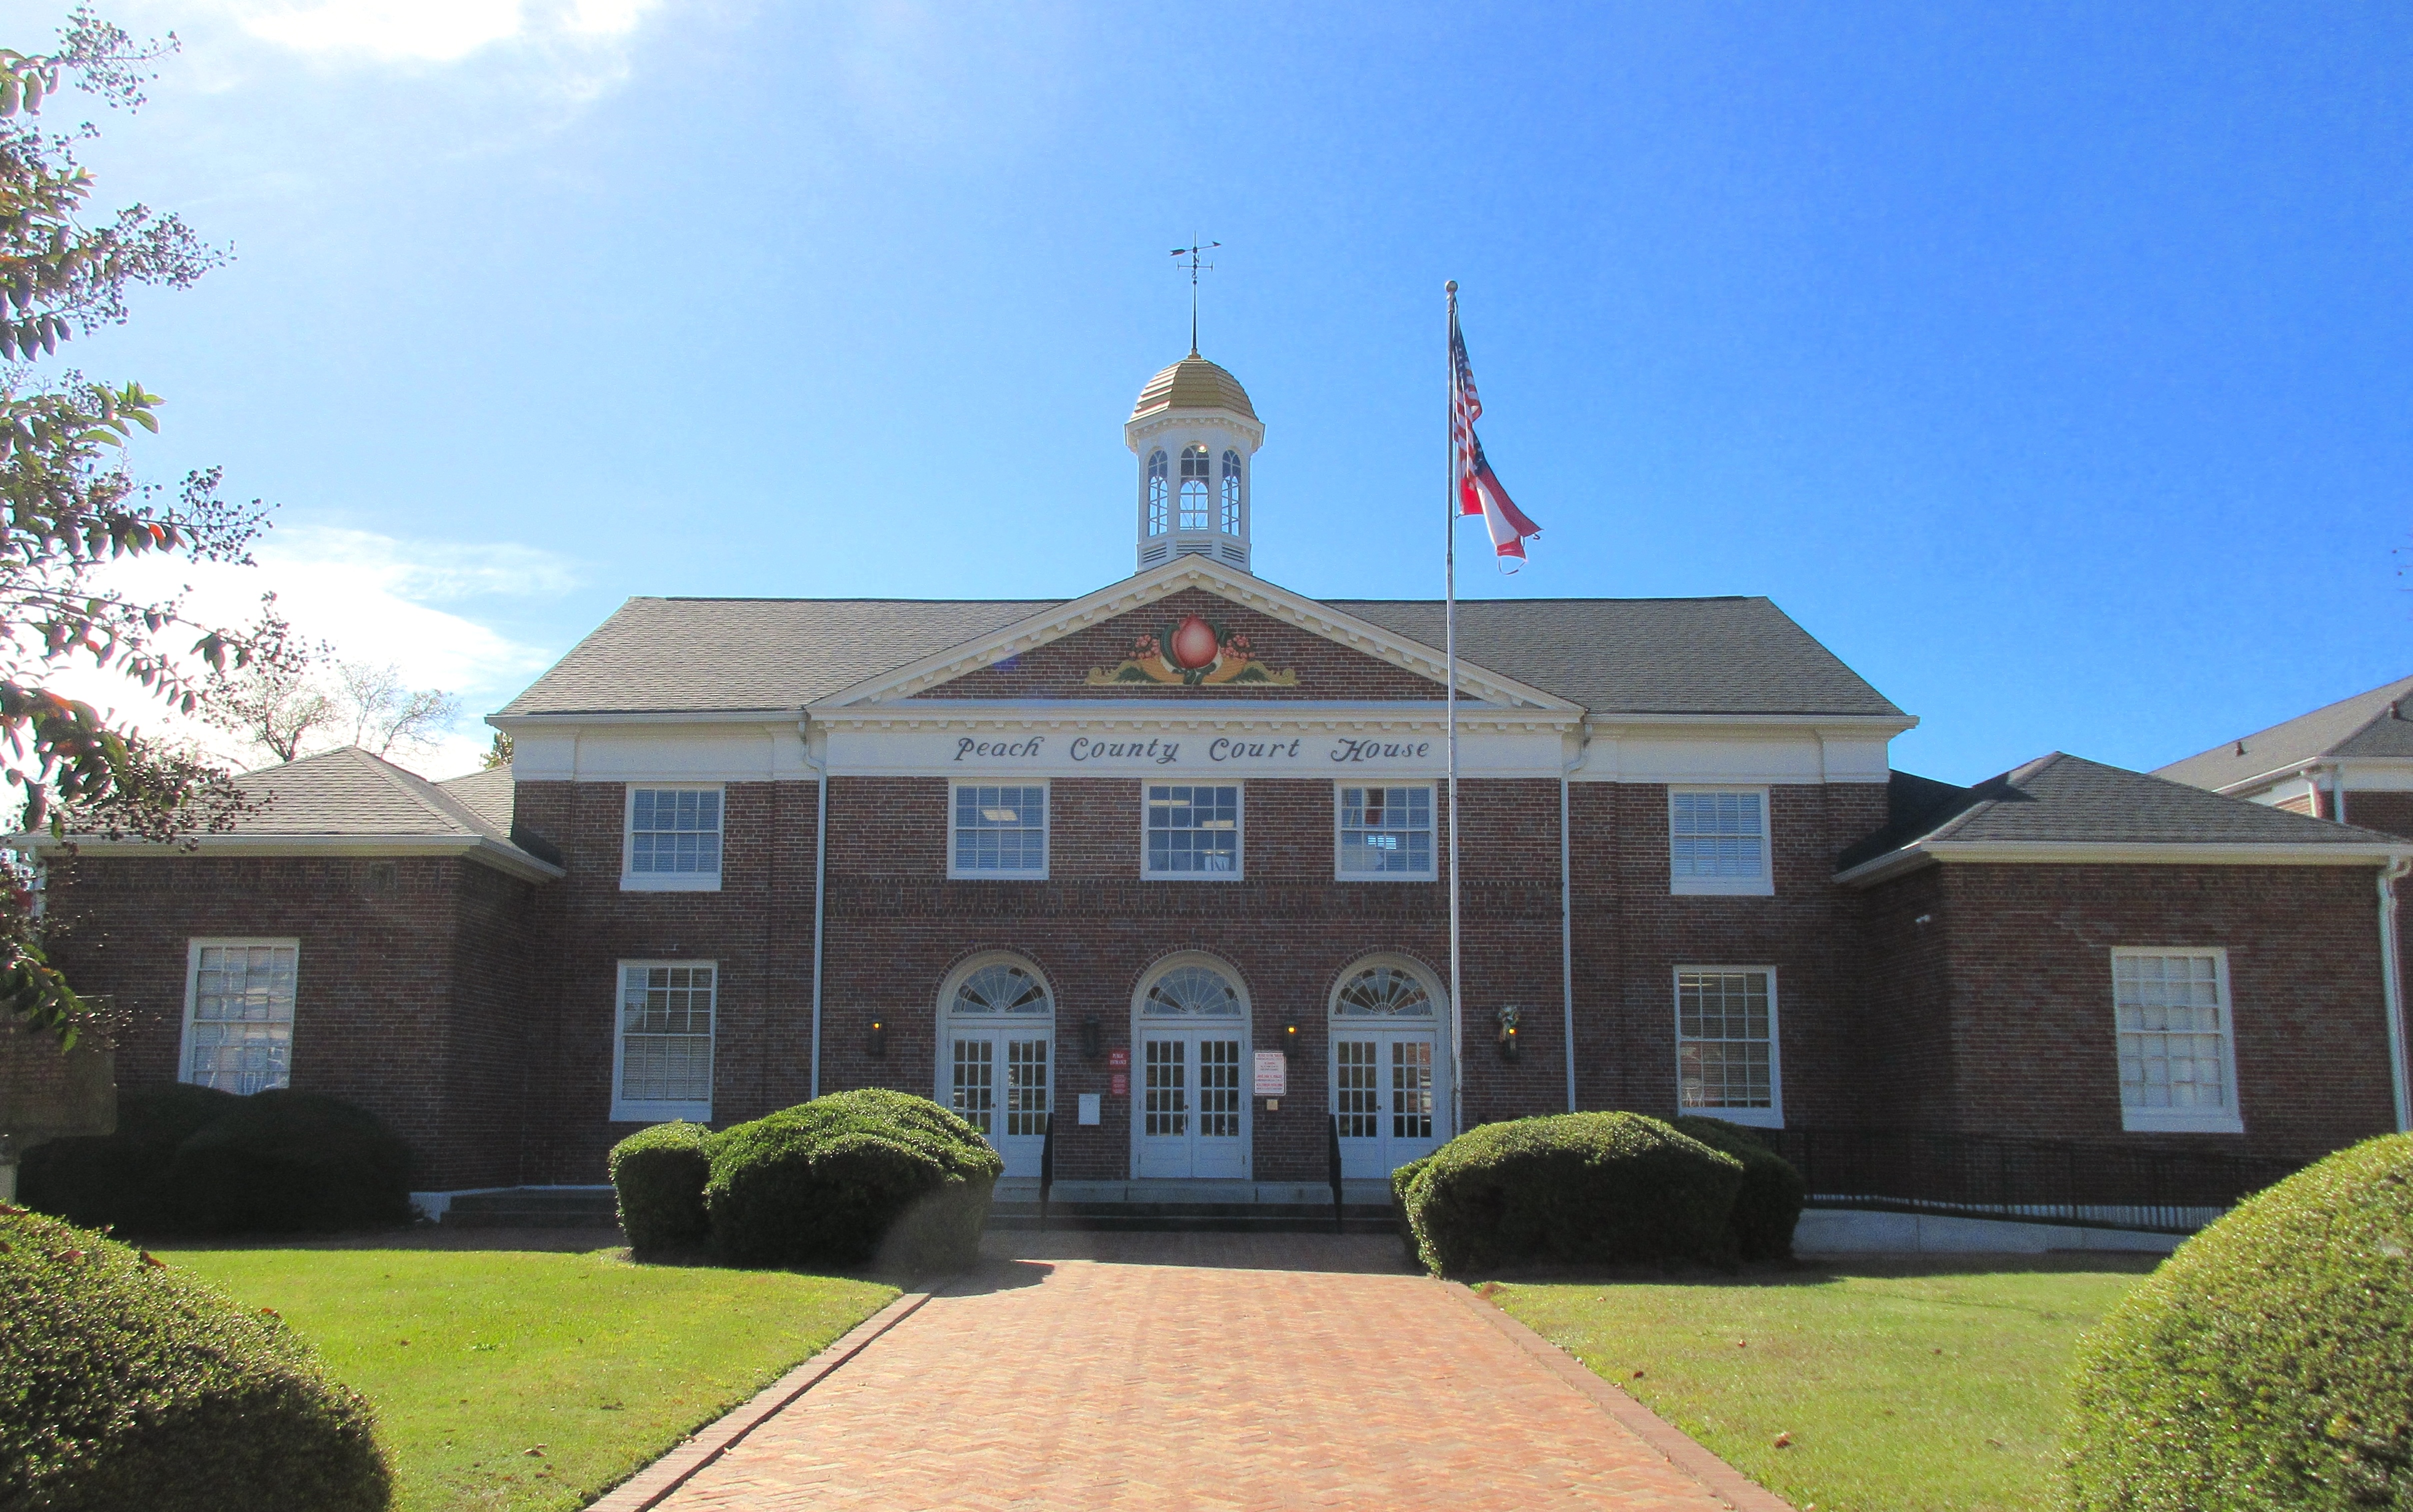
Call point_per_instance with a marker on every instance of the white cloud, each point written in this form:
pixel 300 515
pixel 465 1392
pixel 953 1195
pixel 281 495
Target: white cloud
pixel 433 31
pixel 371 599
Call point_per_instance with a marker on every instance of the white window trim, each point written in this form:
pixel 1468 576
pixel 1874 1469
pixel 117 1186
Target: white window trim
pixel 668 881
pixel 192 995
pixel 1763 885
pixel 1239 836
pixel 1046 829
pixel 1770 1117
pixel 1431 873
pixel 2230 1120
pixel 648 1111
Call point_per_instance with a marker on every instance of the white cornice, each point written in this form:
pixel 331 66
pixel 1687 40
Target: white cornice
pixel 1162 581
pixel 1157 421
pixel 494 853
pixel 950 714
pixel 2093 853
pixel 767 718
pixel 1614 725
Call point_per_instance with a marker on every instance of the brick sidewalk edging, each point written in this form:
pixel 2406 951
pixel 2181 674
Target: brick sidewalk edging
pixel 650 1487
pixel 1683 1450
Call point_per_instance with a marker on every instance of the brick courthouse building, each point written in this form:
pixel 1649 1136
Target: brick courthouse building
pixel 1165 863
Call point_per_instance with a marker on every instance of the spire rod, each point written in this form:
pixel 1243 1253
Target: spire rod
pixel 1194 251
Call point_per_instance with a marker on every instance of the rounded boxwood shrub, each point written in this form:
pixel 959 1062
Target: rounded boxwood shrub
pixel 1582 1187
pixel 2269 1363
pixel 284 1162
pixel 1769 1202
pixel 123 1384
pixel 120 1179
pixel 658 1176
pixel 849 1177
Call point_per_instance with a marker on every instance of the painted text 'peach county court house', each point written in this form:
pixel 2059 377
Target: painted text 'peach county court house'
pixel 1123 860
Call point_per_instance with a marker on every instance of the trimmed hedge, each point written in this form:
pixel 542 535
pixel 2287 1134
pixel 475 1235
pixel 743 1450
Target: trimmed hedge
pixel 849 1177
pixel 123 1384
pixel 1769 1202
pixel 1583 1187
pixel 121 1180
pixel 658 1176
pixel 198 1160
pixel 2269 1363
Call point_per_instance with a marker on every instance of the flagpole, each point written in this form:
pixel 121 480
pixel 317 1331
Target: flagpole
pixel 1449 643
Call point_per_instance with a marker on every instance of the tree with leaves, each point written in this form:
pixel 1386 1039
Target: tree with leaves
pixel 70 504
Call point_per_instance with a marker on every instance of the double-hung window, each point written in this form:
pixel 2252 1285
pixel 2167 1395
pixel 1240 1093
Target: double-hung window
pixel 999 831
pixel 239 1013
pixel 674 839
pixel 1385 833
pixel 2177 1054
pixel 661 1053
pixel 1717 841
pixel 1726 1064
pixel 1191 832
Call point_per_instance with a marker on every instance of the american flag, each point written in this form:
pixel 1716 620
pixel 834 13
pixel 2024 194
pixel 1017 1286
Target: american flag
pixel 1478 489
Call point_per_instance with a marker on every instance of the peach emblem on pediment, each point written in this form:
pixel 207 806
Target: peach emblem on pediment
pixel 1193 652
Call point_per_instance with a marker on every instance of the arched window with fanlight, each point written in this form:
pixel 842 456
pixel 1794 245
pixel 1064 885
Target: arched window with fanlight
pixel 1390 1078
pixel 996 1055
pixel 1159 516
pixel 1231 494
pixel 1196 513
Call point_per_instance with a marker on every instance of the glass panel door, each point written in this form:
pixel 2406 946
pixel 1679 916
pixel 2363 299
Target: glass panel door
pixel 1165 1107
pixel 1221 1103
pixel 1387 1098
pixel 1193 1105
pixel 999 1080
pixel 975 1084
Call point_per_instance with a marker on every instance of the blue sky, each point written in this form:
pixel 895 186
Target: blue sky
pixel 2049 363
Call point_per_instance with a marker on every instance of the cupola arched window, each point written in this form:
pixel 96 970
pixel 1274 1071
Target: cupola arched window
pixel 1231 494
pixel 1193 488
pixel 1159 521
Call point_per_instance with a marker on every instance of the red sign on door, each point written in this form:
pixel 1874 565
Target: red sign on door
pixel 1118 1059
pixel 1122 1084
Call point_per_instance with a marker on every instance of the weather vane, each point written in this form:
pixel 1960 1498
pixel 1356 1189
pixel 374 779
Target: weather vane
pixel 1195 251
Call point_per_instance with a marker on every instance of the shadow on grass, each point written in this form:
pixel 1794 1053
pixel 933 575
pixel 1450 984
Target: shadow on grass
pixel 1827 1269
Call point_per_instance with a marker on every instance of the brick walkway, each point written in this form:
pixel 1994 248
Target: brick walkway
pixel 1195 1371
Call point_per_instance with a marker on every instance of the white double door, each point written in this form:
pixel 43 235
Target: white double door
pixel 1002 1081
pixel 1390 1096
pixel 1192 1110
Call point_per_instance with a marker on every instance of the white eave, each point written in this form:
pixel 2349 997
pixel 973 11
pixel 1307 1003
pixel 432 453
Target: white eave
pixel 2094 853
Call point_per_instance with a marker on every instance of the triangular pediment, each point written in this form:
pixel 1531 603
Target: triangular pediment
pixel 1251 640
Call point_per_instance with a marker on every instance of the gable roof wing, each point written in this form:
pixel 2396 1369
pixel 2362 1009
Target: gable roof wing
pixel 2060 800
pixel 2365 725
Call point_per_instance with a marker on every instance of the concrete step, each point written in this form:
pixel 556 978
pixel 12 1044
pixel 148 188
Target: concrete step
pixel 534 1207
pixel 1195 1217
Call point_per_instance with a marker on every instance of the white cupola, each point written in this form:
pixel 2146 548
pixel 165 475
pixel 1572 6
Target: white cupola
pixel 1194 434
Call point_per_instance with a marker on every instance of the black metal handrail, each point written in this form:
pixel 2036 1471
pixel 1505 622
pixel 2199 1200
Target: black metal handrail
pixel 2086 1182
pixel 1046 1168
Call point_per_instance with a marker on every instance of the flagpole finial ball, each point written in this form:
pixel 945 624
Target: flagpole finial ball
pixel 1450 287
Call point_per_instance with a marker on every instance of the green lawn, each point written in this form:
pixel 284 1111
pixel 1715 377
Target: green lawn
pixel 1914 1385
pixel 473 1357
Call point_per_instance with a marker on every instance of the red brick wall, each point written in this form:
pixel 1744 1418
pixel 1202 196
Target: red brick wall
pixel 410 996
pixel 897 927
pixel 2388 813
pixel 2029 966
pixel 1631 934
pixel 758 928
pixel 1060 668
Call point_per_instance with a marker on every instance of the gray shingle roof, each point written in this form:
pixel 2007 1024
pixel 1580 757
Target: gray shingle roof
pixel 1611 655
pixel 350 792
pixel 2068 798
pixel 2362 726
pixel 486 793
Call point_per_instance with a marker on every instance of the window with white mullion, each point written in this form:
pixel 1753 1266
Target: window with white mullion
pixel 239 1013
pixel 1726 1061
pixel 1385 833
pixel 2177 1050
pixel 999 831
pixel 1191 832
pixel 674 839
pixel 663 1055
pixel 1717 841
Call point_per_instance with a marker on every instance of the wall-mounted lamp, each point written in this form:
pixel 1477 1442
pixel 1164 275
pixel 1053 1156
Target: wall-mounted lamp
pixel 1291 1042
pixel 1093 1038
pixel 878 1042
pixel 1509 1013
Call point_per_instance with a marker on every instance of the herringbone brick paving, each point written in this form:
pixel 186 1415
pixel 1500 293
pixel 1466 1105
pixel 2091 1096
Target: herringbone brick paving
pixel 1206 1371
